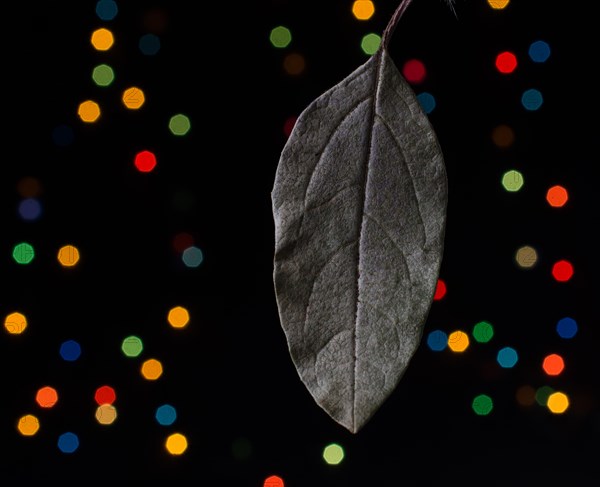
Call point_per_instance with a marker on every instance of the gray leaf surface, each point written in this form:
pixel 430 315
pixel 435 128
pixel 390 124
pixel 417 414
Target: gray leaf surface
pixel 359 204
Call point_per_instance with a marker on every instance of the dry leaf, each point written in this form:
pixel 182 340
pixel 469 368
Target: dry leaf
pixel 359 204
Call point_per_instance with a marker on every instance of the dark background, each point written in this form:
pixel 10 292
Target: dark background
pixel 239 400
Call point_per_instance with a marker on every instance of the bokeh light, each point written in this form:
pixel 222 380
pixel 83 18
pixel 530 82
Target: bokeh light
pixel 532 99
pixel 482 405
pixel 182 241
pixel 437 340
pixel 557 196
pixel 553 364
pixel 68 255
pixel 280 37
pixel 133 98
pixel 106 414
pixel 557 402
pixel 88 111
pixel 23 253
pixel 46 397
pixel 440 290
pixel 105 395
pixel 503 136
pixel 562 270
pixel 525 396
pixel 70 350
pixel 512 180
pixel 566 327
pixel 176 444
pixel 178 317
pixel 106 9
pixel 539 51
pixel 370 43
pixel 102 39
pixel 542 394
pixel 68 442
pixel 333 454
pixel 363 9
pixel 179 124
pixel 192 256
pixel 132 346
pixel 145 161
pixel 498 4
pixel 29 187
pixel 103 75
pixel 458 341
pixel 294 64
pixel 427 102
pixel 483 332
pixel 273 481
pixel 28 425
pixel 288 125
pixel 414 71
pixel 149 44
pixel 526 257
pixel 165 415
pixel 15 323
pixel 30 209
pixel 507 357
pixel 151 369
pixel 506 62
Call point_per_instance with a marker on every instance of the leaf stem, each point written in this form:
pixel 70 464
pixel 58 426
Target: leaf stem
pixel 391 27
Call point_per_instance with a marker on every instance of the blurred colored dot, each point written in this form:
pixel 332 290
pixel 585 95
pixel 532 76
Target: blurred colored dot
pixel 280 36
pixel 542 394
pixel 106 414
pixel 562 271
pixel 132 346
pixel 63 135
pixel 28 425
pixel 15 323
pixel 414 71
pixel 23 253
pixel 30 209
pixel 288 125
pixel 178 317
pixel 482 405
pixel 333 454
pixel 553 364
pixel 532 99
pixel 506 62
pixel 427 102
pixel 106 9
pixel 179 124
pixel 68 255
pixel 503 136
pixel 539 51
pixel 102 39
pixel 88 111
pixel 363 9
pixel 458 341
pixel 149 44
pixel 483 332
pixel 507 357
pixel 166 415
pixel 192 256
pixel 176 444
pixel 512 180
pixel 557 196
pixel 133 98
pixel 294 63
pixel 103 75
pixel 145 161
pixel 241 448
pixel 437 340
pixel 566 327
pixel 46 397
pixel 440 290
pixel 370 43
pixel 273 481
pixel 68 442
pixel 29 187
pixel 526 396
pixel 70 350
pixel 526 257
pixel 105 395
pixel 151 369
pixel 557 402
pixel 182 241
pixel 498 4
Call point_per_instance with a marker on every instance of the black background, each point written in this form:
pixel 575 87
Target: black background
pixel 239 400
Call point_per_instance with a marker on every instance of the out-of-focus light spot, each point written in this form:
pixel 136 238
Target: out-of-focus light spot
pixel 178 317
pixel 28 425
pixel 106 414
pixel 132 346
pixel 176 444
pixel 440 290
pixel 23 253
pixel 526 257
pixel 88 111
pixel 105 395
pixel 542 394
pixel 532 99
pixel 525 395
pixel 280 36
pixel 288 125
pixel 458 341
pixel 557 196
pixel 165 415
pixel 414 71
pixel 182 241
pixel 179 124
pixel 333 454
pixel 30 209
pixel 294 64
pixel 241 448
pixel 483 332
pixel 512 180
pixel 566 327
pixel 557 402
pixel 370 43
pixel 553 364
pixel 507 357
pixel 506 62
pixel 70 350
pixel 29 187
pixel 503 136
pixel 106 9
pixel 145 161
pixel 103 75
pixel 437 340
pixel 273 481
pixel 192 256
pixel 427 102
pixel 68 255
pixel 149 44
pixel 133 98
pixel 363 9
pixel 102 39
pixel 539 51
pixel 63 135
pixel 562 271
pixel 46 397
pixel 15 323
pixel 498 4
pixel 68 442
pixel 151 369
pixel 482 405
